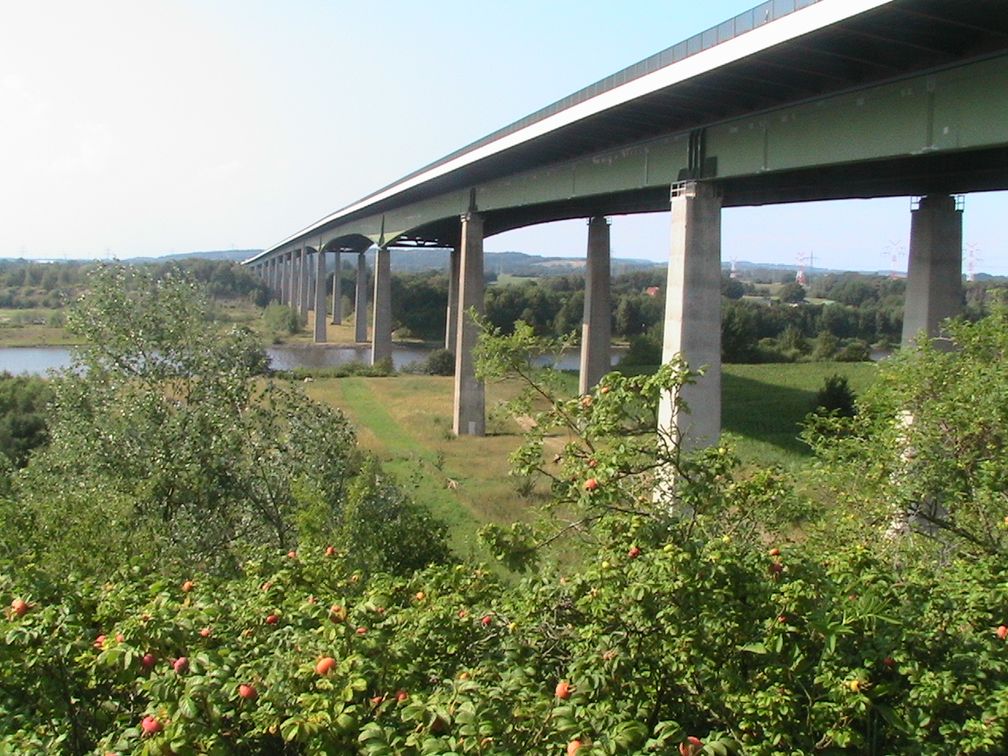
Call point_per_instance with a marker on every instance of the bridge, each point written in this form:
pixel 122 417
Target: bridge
pixel 792 101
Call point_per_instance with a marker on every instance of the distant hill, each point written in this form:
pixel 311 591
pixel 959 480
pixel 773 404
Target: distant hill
pixel 507 263
pixel 222 254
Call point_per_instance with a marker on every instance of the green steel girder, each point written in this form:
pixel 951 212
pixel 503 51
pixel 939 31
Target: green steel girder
pixel 958 114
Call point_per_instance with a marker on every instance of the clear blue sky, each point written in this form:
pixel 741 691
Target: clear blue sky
pixel 140 127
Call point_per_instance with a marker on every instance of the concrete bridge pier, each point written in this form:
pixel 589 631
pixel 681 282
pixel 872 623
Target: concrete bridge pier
pixel 934 270
pixel 274 289
pixel 451 320
pixel 693 312
pixel 469 417
pixel 303 284
pixel 596 327
pixel 296 280
pixel 288 279
pixel 360 301
pixel 337 298
pixel 381 319
pixel 320 298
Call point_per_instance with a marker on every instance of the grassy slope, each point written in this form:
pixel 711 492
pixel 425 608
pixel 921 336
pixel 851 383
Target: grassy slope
pixel 406 421
pixel 763 406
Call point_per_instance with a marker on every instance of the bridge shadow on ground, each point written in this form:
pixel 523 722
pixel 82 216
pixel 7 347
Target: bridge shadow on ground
pixel 765 412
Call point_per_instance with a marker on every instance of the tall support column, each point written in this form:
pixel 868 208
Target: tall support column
pixel 273 288
pixel 303 284
pixel 360 301
pixel 288 279
pixel 693 313
pixel 469 402
pixel 596 327
pixel 934 271
pixel 451 320
pixel 320 298
pixel 337 294
pixel 381 321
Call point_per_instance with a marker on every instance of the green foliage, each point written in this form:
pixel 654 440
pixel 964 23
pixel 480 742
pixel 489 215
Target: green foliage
pixel 656 638
pixel 854 350
pixel 399 536
pixel 23 428
pixel 168 447
pixel 282 320
pixel 791 292
pixel 381 370
pixel 928 445
pixel 440 362
pixel 732 288
pixel 600 456
pixel 644 350
pixel 420 304
pixel 835 396
pixel 25 284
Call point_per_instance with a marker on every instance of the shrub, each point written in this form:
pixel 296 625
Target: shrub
pixel 644 351
pixel 23 426
pixel 835 396
pixel 854 350
pixel 440 362
pixel 282 320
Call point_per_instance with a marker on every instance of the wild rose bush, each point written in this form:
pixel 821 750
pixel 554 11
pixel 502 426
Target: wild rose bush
pixel 744 650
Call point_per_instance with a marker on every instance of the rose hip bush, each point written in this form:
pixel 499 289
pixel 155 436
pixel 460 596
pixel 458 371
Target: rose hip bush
pixel 655 642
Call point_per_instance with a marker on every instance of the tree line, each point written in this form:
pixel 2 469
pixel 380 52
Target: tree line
pixel 25 284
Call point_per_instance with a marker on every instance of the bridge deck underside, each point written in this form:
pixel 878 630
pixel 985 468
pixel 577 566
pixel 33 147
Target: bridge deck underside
pixel 908 99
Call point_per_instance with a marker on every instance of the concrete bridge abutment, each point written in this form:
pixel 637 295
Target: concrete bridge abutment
pixel 693 314
pixel 596 327
pixel 934 269
pixel 469 399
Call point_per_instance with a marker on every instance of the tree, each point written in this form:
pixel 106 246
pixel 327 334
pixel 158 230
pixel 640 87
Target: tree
pixel 732 288
pixel 792 292
pixel 929 443
pixel 168 443
pixel 23 428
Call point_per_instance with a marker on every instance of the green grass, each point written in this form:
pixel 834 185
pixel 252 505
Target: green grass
pixel 30 328
pixel 763 406
pixel 406 421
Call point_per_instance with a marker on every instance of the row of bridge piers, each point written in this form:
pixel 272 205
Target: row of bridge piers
pixel 692 327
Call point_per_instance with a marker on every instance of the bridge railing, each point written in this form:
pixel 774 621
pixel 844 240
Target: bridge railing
pixel 762 14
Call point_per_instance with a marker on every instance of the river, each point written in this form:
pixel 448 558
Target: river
pixel 39 360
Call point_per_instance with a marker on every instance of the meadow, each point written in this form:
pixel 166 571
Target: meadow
pixel 405 420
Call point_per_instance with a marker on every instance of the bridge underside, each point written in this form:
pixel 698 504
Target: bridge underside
pixel 909 176
pixel 907 99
